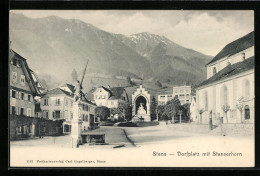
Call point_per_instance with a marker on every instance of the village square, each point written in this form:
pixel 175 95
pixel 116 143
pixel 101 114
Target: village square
pixel 131 112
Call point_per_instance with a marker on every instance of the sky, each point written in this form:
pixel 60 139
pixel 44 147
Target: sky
pixel 204 31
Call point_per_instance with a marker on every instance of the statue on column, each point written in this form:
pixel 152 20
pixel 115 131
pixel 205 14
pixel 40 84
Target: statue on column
pixel 77 93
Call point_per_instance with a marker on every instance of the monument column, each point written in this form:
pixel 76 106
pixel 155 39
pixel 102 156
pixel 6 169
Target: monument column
pixel 76 125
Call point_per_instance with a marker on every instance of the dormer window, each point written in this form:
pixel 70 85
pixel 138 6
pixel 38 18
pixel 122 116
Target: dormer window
pixel 22 80
pixel 243 56
pixel 214 70
pixel 228 63
pixel 14 62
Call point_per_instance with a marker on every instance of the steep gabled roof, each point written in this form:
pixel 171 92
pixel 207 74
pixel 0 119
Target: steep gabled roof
pixel 235 47
pixel 116 93
pixel 90 95
pixel 58 91
pixel 27 72
pixel 70 86
pixel 231 70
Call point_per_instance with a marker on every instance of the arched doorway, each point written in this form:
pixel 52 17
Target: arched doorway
pixel 247 112
pixel 140 102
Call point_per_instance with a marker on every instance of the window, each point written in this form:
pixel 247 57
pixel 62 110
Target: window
pixel 247 112
pixel 56 114
pixel 181 95
pixel 22 80
pixel 22 111
pixel 67 128
pixel 22 96
pixel 14 77
pixel 29 97
pixel 13 109
pixel 45 102
pixel 67 102
pixel 29 112
pixel 57 101
pixel 14 62
pixel 86 118
pixel 71 115
pixel 13 93
pixel 85 107
pixel 162 97
pixel 214 70
pixel 46 114
pixel 83 117
pixel 19 129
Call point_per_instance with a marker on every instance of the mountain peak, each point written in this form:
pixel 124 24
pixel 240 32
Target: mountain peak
pixel 149 37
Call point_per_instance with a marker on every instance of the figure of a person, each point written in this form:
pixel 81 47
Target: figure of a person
pixel 77 93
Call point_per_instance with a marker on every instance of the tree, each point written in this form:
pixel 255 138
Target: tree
pixel 74 75
pixel 240 108
pixel 124 111
pixel 153 109
pixel 225 109
pixel 186 110
pixel 159 112
pixel 172 107
pixel 102 112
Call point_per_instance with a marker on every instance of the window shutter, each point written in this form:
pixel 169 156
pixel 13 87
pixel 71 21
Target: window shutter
pixel 10 92
pixel 17 94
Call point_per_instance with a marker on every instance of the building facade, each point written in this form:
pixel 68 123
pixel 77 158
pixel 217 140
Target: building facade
pixel 23 88
pixel 110 97
pixel 183 93
pixel 229 90
pixel 163 99
pixel 57 104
